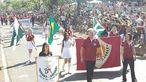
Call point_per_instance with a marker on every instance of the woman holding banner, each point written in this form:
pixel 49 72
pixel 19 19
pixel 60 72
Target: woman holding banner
pixel 129 56
pixel 88 53
pixel 66 50
pixel 30 43
pixel 45 50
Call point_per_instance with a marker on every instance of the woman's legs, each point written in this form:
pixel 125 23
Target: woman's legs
pixel 30 52
pixel 65 61
pixel 69 64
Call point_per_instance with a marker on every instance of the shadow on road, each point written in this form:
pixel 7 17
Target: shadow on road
pixel 6 46
pixel 10 46
pixel 7 42
pixel 21 64
pixel 97 75
pixel 141 57
pixel 5 39
pixel 39 45
pixel 16 65
pixel 30 63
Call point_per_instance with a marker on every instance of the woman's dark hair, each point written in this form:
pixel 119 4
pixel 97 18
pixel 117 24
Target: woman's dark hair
pixel 42 53
pixel 65 36
pixel 130 36
pixel 43 48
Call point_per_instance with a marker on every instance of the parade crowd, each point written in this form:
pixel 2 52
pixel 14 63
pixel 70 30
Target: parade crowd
pixel 118 19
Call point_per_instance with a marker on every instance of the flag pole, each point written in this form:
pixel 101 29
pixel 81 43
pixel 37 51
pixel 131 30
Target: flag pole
pixel 26 34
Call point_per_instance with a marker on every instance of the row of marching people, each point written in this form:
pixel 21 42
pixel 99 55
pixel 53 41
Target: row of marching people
pixel 88 51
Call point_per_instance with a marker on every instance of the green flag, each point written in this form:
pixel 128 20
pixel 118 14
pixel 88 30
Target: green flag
pixel 54 28
pixel 18 33
pixel 100 30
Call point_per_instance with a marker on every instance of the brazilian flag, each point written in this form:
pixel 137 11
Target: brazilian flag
pixel 53 30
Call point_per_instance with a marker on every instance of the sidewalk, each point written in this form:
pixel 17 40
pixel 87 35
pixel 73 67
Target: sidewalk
pixel 1 69
pixel 1 65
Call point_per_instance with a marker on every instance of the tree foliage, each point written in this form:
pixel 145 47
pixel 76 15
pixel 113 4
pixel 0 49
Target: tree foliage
pixel 3 6
pixel 33 4
pixel 16 4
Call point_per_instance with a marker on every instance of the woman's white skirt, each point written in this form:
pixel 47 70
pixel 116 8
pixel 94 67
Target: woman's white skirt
pixel 67 53
pixel 29 45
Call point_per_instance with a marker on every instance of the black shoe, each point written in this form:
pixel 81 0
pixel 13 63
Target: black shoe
pixel 135 80
pixel 89 80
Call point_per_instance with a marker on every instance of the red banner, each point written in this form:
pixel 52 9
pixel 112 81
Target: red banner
pixel 111 56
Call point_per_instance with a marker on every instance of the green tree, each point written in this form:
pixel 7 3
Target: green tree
pixel 3 6
pixel 28 4
pixel 16 4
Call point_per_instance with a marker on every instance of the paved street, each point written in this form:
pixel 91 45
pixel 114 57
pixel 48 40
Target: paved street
pixel 18 71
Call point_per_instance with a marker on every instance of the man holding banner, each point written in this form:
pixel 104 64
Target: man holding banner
pixel 88 53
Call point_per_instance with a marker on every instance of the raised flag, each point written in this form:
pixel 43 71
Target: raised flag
pixel 17 34
pixel 53 30
pixel 100 30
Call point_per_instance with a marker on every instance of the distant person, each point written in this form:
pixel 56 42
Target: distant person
pixel 32 20
pixel 11 20
pixel 46 29
pixel 129 56
pixel 2 20
pixel 5 20
pixel 88 53
pixel 63 19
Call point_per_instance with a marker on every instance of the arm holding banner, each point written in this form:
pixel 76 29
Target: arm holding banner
pixel 81 53
pixel 99 50
pixel 134 53
pixel 121 52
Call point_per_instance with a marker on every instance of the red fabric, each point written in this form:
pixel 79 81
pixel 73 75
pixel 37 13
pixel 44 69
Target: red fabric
pixel 128 50
pixel 114 58
pixel 30 38
pixel 90 49
pixel 112 61
pixel 105 25
pixel 112 34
